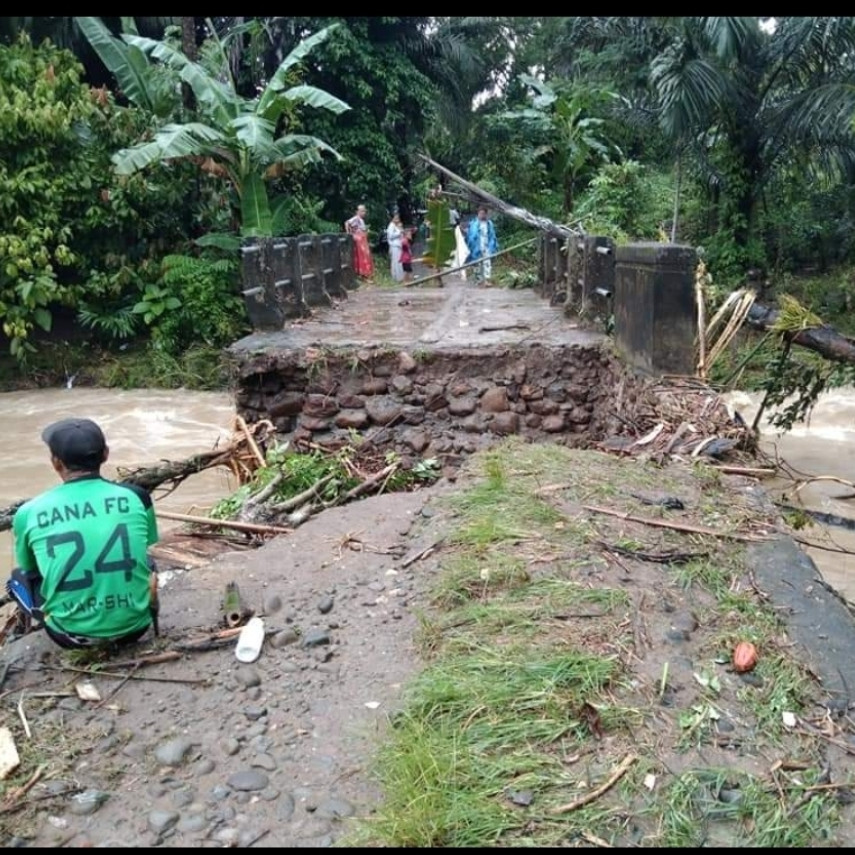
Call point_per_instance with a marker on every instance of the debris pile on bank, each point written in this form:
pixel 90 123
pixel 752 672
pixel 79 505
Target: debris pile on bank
pixel 682 418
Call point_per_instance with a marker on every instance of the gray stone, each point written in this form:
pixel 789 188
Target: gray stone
pixel 247 677
pixel 204 767
pixel 272 604
pixel 325 605
pixel 417 440
pixel 182 798
pixel 173 751
pixel 87 802
pixel 402 385
pixel 505 423
pixel 254 693
pixel 254 713
pixel 316 637
pixel 248 780
pixel 231 746
pixel 192 824
pixel 462 406
pixel 161 820
pixel 285 807
pixel 334 808
pixel 554 424
pixel 264 761
pixel 284 638
pixel 352 419
pixel 383 411
pixel 219 793
pixel 406 363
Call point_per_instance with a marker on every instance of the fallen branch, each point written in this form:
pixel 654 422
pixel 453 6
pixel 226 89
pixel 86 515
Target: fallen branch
pixel 95 672
pixel 603 788
pixel 655 557
pixel 302 498
pixel 745 470
pixel 368 483
pixel 423 553
pixel 254 528
pixel 14 800
pixel 686 527
pixel 250 441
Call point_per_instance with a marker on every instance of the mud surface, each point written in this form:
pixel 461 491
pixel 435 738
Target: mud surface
pixel 279 752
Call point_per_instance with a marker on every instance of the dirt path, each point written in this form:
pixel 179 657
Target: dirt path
pixel 277 748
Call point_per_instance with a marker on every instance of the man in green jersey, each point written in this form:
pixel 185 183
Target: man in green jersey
pixel 81 547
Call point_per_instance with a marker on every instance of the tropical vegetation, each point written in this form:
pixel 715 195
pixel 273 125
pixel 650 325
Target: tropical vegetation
pixel 137 153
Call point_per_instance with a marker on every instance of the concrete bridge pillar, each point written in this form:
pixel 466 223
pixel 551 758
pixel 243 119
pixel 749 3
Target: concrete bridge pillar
pixel 654 307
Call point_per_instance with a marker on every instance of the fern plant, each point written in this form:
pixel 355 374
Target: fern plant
pixel 202 303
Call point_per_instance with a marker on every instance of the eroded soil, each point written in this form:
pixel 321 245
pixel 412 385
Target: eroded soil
pixel 280 752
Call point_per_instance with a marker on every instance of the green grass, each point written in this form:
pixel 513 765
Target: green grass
pixel 716 807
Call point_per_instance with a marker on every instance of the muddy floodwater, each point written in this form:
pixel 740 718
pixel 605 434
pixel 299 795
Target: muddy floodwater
pixel 141 426
pixel 145 426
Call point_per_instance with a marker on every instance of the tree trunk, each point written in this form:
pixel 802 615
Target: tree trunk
pixel 188 46
pixel 483 197
pixel 824 340
pixel 676 199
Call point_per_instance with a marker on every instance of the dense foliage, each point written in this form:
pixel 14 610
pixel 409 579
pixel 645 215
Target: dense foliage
pixel 732 134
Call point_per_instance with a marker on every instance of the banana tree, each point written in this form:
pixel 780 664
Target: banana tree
pixel 239 139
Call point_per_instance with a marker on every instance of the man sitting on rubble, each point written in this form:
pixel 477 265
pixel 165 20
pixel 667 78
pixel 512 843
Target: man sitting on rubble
pixel 81 548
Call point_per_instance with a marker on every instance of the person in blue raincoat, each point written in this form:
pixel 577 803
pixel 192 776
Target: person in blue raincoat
pixel 482 242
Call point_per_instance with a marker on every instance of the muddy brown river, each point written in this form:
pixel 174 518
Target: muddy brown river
pixel 144 426
pixel 141 426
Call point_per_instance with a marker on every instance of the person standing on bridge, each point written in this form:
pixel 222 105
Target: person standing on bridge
pixel 363 263
pixel 81 548
pixel 394 236
pixel 482 242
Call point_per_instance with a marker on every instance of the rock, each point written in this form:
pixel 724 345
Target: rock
pixel 264 761
pixel 82 804
pixel 462 406
pixel 505 423
pixel 406 363
pixel 231 746
pixel 417 440
pixel 182 798
pixel 204 767
pixel 248 780
pixel 192 824
pixel 402 385
pixel 334 808
pixel 352 419
pixel 161 820
pixel 315 637
pixel 554 424
pixel 325 605
pixel 285 807
pixel 383 411
pixel 254 713
pixel 272 604
pixel 248 677
pixel 495 400
pixel 173 751
pixel 284 638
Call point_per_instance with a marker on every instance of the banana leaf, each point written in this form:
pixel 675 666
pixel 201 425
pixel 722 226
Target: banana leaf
pixel 256 218
pixel 128 65
pixel 223 104
pixel 279 79
pixel 441 243
pixel 171 141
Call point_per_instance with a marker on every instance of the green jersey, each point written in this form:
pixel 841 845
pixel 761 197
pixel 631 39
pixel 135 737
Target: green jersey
pixel 88 539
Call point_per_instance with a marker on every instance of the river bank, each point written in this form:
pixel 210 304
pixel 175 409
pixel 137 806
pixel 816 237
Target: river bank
pixel 485 661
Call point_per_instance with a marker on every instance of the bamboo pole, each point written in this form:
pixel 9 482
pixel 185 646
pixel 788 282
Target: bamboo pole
pixel 254 528
pixel 449 270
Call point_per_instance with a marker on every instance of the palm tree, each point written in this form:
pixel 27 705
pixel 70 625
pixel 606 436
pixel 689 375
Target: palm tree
pixel 242 140
pixel 764 94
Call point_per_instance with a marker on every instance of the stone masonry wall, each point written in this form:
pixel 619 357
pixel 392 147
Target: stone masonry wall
pixel 437 403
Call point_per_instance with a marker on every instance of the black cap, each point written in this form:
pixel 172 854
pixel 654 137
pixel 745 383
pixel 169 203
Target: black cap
pixel 78 443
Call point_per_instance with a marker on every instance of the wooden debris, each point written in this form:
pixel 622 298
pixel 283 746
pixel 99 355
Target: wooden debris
pixel 686 527
pixel 254 528
pixel 598 791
